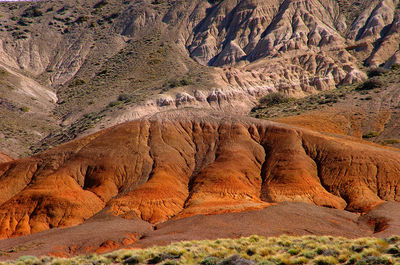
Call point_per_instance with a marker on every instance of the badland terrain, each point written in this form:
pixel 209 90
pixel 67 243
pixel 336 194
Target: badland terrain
pixel 134 123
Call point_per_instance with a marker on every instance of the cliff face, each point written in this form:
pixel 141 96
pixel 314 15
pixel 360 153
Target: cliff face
pixel 179 164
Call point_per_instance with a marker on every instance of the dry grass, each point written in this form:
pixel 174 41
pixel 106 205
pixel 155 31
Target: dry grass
pixel 321 250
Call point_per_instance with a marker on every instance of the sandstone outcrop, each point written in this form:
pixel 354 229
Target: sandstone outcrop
pixel 182 163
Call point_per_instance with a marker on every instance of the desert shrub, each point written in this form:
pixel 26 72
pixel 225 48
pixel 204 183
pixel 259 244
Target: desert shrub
pixel 131 260
pixel 395 66
pixel 274 98
pixel 24 22
pixel 236 260
pixel 266 262
pixel 25 109
pixel 154 260
pixel 32 12
pixel 330 252
pixel 210 261
pixel 77 82
pixel 325 260
pixel 376 71
pixel 370 84
pixel 393 250
pixel 298 261
pixel 124 97
pixel 368 135
pixel 114 103
pixel 393 239
pixel 293 251
pixel 81 19
pixel 177 83
pixel 309 254
pixel 251 251
pixel 357 248
pixel 374 261
pixel 100 4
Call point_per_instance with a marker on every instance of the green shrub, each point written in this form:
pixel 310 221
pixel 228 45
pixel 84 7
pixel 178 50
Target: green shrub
pixel 395 66
pixel 272 99
pixel 100 4
pixel 371 134
pixel 370 84
pixel 378 71
pixel 114 103
pixel 210 261
pixel 124 97
pixel 293 251
pixel 266 262
pixel 374 261
pixel 25 109
pixel 77 82
pixel 32 12
pixel 131 260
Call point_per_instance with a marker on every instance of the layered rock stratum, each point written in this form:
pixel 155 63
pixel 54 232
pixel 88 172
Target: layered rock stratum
pixel 183 163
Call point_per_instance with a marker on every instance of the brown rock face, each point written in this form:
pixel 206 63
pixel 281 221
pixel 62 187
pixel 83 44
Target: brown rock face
pixel 4 158
pixel 178 164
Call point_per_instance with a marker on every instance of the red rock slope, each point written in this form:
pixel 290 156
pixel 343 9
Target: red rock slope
pixel 4 158
pixel 178 164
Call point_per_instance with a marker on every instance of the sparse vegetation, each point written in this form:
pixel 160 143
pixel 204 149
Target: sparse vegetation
pixel 378 71
pixel 390 141
pixel 322 250
pixel 371 134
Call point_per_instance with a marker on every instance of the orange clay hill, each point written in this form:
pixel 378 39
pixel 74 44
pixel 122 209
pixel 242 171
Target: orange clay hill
pixel 184 163
pixel 4 158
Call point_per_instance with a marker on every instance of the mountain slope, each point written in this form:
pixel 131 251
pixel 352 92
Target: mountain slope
pixel 110 62
pixel 369 110
pixel 183 163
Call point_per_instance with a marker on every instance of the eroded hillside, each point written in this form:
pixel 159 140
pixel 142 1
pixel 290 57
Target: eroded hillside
pixel 183 163
pixel 113 61
pixel 370 110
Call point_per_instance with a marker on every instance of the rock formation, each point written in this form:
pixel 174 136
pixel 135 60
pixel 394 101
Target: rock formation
pixel 183 163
